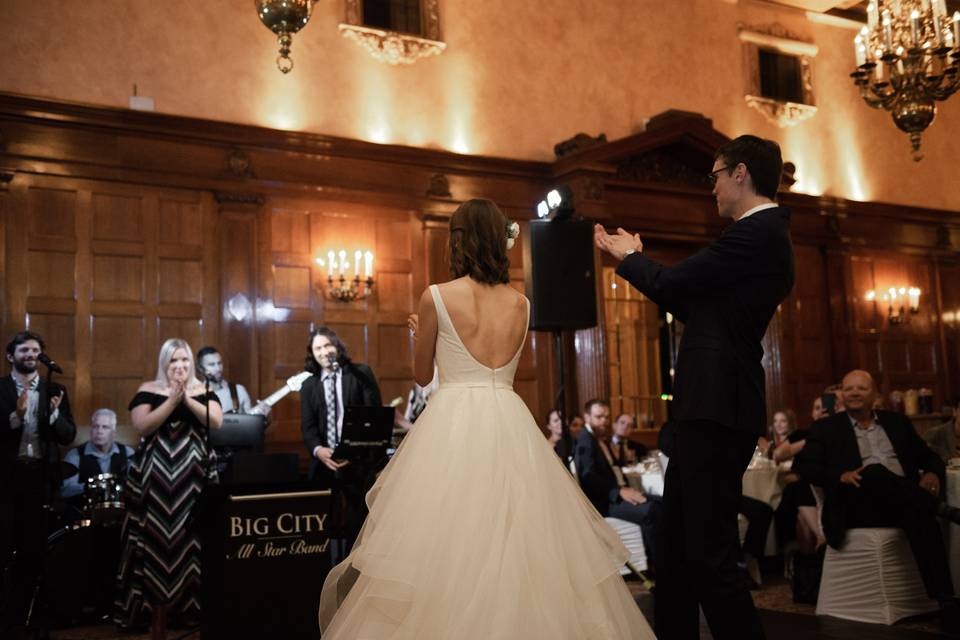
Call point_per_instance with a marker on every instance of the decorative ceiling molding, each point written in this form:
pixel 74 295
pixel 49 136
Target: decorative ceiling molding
pixel 777 37
pixel 394 47
pixel 782 114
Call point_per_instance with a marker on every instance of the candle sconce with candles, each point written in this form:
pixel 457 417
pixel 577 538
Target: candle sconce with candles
pixel 902 302
pixel 339 285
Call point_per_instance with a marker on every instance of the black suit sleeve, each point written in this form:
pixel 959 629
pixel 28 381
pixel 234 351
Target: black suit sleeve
pixel 813 463
pixel 310 415
pixel 595 483
pixel 728 260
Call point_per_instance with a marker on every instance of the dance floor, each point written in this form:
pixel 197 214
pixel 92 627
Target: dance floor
pixel 788 621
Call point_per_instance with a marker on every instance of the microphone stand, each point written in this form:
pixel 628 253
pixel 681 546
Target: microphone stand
pixel 208 463
pixel 46 506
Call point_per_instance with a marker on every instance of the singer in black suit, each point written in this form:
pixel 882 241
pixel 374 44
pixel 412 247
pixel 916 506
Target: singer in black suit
pixel 30 473
pixel 725 295
pixel 876 471
pixel 344 384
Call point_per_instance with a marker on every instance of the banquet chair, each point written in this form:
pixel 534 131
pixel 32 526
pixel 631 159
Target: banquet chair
pixel 872 578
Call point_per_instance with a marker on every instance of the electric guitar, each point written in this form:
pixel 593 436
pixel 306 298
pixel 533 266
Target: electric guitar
pixel 293 384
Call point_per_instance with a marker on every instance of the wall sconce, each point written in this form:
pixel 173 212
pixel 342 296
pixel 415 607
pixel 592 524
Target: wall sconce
pixel 902 302
pixel 339 286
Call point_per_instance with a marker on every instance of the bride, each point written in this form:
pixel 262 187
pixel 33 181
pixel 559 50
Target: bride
pixel 476 530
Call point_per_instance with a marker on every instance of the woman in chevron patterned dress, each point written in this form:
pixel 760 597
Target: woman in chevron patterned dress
pixel 160 563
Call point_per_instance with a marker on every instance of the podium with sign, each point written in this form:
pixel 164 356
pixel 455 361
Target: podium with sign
pixel 265 556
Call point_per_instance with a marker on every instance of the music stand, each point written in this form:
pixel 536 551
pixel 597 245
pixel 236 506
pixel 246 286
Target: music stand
pixel 240 431
pixel 366 433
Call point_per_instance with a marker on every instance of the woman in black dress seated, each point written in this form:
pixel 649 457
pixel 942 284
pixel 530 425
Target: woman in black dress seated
pixel 160 562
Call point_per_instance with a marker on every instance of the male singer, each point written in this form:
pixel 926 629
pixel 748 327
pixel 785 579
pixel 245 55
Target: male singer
pixel 29 467
pixel 725 295
pixel 337 382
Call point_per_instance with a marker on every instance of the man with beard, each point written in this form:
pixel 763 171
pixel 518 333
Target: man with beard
pixel 233 396
pixel 29 467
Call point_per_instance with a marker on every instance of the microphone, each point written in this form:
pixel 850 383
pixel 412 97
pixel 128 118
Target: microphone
pixel 51 364
pixel 334 365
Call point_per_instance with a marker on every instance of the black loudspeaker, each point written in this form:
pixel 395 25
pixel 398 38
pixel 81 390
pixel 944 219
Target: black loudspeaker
pixel 560 277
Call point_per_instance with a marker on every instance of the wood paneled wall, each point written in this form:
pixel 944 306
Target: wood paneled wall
pixel 120 229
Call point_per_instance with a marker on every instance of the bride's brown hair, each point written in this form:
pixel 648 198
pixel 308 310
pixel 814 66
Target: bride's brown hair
pixel 478 242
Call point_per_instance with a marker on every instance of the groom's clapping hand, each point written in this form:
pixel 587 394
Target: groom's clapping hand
pixel 619 245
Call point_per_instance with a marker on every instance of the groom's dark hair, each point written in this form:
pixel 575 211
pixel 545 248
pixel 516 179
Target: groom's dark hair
pixel 478 242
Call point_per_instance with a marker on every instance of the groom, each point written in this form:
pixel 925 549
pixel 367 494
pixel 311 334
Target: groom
pixel 725 295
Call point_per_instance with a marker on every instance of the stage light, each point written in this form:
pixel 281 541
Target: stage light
pixel 558 204
pixel 554 199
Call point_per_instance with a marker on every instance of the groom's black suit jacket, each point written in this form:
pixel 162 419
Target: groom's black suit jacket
pixel 725 296
pixel 831 449
pixel 359 389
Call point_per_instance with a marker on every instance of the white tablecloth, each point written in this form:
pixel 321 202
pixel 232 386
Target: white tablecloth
pixel 650 482
pixel 953 499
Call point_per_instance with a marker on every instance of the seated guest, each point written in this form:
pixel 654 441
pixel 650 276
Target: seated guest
pixel 796 515
pixel 100 454
pixel 559 436
pixel 602 480
pixel 782 435
pixel 876 471
pixel 758 515
pixel 945 438
pixel 625 451
pixel 575 426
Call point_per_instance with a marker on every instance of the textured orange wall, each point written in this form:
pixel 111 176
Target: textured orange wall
pixel 516 78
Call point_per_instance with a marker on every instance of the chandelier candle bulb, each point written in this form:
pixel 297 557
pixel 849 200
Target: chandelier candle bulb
pixel 872 16
pixel 937 28
pixel 343 261
pixel 331 264
pixel 356 263
pixel 860 51
pixel 368 264
pixel 915 28
pixel 956 28
pixel 887 31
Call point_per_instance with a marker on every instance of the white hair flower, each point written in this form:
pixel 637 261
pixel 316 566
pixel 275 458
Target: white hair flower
pixel 513 230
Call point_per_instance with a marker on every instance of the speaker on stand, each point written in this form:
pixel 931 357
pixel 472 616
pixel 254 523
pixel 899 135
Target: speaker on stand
pixel 560 277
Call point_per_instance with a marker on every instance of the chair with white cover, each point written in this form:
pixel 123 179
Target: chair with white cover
pixel 630 535
pixel 632 539
pixel 873 578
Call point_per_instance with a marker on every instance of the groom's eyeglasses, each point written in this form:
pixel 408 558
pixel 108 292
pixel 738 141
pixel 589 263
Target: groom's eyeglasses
pixel 712 176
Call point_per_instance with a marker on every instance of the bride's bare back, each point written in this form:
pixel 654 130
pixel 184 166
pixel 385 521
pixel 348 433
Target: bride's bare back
pixel 490 320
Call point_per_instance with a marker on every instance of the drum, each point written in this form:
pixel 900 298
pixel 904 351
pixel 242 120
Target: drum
pixel 104 499
pixel 80 571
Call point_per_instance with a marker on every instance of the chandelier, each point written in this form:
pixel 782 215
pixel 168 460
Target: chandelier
pixel 284 18
pixel 908 57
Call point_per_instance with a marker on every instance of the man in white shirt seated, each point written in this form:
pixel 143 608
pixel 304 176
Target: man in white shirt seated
pixel 233 397
pixel 876 471
pixel 101 454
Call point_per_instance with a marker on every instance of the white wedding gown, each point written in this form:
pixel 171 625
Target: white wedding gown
pixel 477 531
